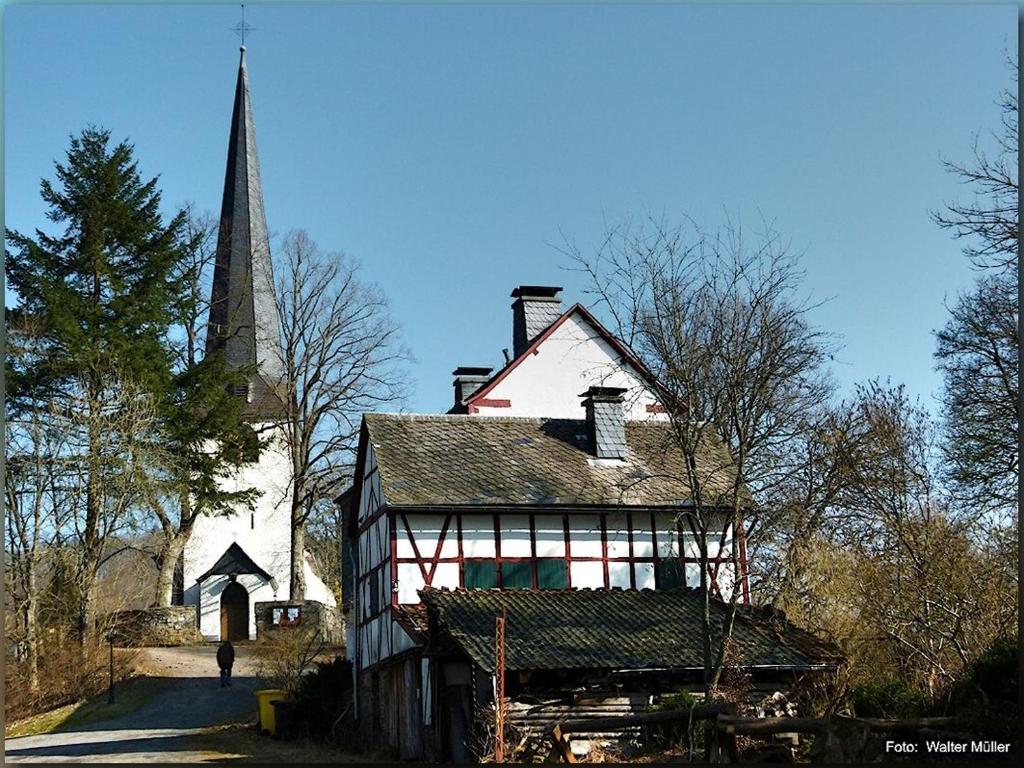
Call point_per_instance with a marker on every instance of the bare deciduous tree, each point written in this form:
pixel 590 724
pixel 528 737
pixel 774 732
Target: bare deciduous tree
pixel 342 356
pixel 720 324
pixel 32 505
pixel 988 224
pixel 201 436
pixel 931 590
pixel 977 350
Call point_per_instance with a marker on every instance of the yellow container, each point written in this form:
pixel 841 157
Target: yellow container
pixel 265 707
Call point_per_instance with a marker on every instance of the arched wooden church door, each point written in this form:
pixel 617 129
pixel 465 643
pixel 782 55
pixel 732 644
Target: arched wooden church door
pixel 234 612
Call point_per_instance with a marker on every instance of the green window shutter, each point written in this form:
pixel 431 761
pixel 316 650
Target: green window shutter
pixel 481 574
pixel 551 573
pixel 669 574
pixel 516 576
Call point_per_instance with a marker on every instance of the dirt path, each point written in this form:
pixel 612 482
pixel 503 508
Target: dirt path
pixel 188 701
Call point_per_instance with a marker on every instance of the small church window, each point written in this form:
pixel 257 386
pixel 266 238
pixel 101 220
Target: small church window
pixel 252 521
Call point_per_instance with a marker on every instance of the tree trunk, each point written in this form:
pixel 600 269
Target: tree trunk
pixel 170 550
pixel 297 583
pixel 91 540
pixel 31 644
pixel 87 615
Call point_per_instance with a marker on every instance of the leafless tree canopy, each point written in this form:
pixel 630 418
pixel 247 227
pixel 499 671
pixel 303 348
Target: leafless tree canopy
pixel 720 323
pixel 342 356
pixel 988 223
pixel 908 580
pixel 977 350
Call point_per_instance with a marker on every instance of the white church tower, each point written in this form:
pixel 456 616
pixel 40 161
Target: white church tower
pixel 231 562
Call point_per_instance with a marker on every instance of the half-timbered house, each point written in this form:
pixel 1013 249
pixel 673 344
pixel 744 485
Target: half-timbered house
pixel 553 475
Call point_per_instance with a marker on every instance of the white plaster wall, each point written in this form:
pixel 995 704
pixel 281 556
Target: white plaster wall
pixel 264 534
pixel 370 491
pixel 548 383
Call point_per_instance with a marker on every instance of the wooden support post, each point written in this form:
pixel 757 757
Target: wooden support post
pixel 499 687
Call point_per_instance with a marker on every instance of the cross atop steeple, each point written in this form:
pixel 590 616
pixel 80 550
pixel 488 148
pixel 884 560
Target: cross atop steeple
pixel 243 315
pixel 242 28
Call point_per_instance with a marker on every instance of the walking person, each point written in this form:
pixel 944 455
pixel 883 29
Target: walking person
pixel 225 660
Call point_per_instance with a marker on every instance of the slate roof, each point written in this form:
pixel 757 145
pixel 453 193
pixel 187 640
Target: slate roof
pixel 479 461
pixel 613 630
pixel 234 560
pixel 243 317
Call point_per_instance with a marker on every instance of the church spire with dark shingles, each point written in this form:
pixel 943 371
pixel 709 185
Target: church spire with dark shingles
pixel 243 317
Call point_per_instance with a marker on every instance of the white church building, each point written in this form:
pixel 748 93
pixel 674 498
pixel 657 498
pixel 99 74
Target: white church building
pixel 231 562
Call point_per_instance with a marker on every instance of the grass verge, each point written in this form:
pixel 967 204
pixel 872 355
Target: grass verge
pixel 129 695
pixel 242 744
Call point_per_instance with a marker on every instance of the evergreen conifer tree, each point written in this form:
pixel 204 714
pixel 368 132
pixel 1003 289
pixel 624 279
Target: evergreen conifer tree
pixel 106 300
pixel 100 297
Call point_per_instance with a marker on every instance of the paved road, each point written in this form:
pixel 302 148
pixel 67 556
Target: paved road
pixel 190 702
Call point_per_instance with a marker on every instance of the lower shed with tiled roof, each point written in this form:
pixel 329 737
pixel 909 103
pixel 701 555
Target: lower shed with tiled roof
pixel 611 630
pixel 591 653
pixel 456 519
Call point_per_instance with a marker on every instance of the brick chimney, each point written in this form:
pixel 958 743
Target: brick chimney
pixel 467 381
pixel 606 422
pixel 534 309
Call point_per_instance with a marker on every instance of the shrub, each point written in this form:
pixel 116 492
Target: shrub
pixel 283 657
pixel 683 700
pixel 323 699
pixel 888 698
pixel 986 696
pixel 672 734
pixel 995 672
pixel 67 674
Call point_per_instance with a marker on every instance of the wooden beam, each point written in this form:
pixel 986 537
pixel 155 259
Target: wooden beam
pixel 560 746
pixel 770 725
pixel 597 724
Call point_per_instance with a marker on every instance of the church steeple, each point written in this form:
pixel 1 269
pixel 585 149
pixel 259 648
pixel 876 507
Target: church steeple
pixel 243 317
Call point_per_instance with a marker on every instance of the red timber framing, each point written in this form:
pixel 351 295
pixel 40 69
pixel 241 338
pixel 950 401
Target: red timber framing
pixel 488 403
pixel 452 524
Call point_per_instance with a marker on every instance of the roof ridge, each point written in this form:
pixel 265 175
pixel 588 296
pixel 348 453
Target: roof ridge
pixel 472 418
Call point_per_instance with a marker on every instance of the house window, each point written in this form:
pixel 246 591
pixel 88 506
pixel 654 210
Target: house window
pixel 374 593
pixel 551 573
pixel 516 576
pixel 669 574
pixel 481 574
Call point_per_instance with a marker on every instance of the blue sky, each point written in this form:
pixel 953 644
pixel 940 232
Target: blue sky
pixel 448 147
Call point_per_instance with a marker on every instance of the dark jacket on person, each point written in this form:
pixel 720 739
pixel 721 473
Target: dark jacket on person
pixel 226 655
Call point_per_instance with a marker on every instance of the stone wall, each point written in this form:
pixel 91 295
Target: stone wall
pixel 313 613
pixel 173 625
